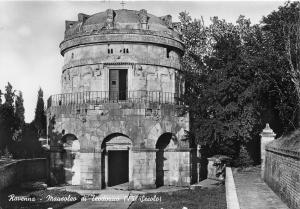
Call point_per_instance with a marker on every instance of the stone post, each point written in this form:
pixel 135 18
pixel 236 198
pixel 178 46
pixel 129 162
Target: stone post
pixel 267 135
pixel 198 155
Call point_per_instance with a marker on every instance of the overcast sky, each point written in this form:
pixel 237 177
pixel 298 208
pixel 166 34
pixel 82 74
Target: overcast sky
pixel 30 33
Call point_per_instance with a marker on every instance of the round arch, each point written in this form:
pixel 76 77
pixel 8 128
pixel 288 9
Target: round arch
pixel 116 166
pixel 113 128
pixel 164 142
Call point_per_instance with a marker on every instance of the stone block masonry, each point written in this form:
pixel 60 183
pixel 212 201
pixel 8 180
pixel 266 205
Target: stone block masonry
pixel 282 168
pixel 119 116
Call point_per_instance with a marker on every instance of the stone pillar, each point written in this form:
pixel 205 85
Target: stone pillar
pixel 106 169
pixel 143 168
pixel 211 169
pixel 198 163
pixel 267 135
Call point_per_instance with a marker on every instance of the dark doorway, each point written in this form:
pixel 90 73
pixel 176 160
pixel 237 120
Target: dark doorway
pixel 161 144
pixel 118 167
pixel 118 84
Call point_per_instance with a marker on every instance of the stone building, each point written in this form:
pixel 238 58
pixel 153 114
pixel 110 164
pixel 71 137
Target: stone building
pixel 118 118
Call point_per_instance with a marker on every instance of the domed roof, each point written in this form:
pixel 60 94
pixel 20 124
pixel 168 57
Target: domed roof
pixel 122 25
pixel 122 19
pixel 124 16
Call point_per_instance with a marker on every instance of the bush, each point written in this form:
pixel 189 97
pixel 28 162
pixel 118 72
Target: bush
pixel 244 159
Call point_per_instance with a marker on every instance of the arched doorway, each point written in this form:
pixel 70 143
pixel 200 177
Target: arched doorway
pixel 71 159
pixel 162 162
pixel 115 161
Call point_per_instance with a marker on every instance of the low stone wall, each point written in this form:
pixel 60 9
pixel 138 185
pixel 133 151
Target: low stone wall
pixel 282 168
pixel 23 170
pixel 231 195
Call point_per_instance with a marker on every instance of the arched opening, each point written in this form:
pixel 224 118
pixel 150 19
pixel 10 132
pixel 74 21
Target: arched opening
pixel 115 160
pixel 161 160
pixel 71 159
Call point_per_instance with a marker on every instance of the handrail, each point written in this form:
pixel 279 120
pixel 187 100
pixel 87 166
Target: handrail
pixel 100 97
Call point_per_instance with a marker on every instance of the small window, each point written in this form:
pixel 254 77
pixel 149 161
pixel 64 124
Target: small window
pixel 113 82
pixel 110 51
pixel 168 52
pixel 127 51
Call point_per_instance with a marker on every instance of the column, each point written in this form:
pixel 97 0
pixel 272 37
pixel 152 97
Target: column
pixel 267 135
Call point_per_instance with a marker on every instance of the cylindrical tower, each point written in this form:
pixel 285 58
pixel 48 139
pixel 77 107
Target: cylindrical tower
pixel 119 100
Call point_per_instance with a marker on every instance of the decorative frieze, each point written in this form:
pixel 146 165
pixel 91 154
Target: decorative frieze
pixel 101 61
pixel 131 38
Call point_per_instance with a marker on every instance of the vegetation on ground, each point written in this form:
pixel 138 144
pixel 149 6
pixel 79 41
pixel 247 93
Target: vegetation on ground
pixel 200 198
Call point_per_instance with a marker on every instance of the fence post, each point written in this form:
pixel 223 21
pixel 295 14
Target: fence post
pixel 267 135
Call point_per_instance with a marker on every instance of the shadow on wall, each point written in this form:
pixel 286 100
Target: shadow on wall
pixel 195 162
pixel 115 159
pixel 161 144
pixel 63 157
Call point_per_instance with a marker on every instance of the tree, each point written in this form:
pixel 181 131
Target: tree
pixel 241 76
pixel 2 141
pixel 40 117
pixel 281 77
pixel 220 86
pixel 1 97
pixel 8 118
pixel 19 117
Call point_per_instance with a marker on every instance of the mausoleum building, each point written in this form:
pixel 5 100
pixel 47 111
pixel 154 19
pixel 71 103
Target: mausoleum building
pixel 118 118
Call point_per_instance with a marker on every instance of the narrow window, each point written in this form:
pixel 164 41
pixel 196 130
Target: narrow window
pixel 108 51
pixel 111 51
pixel 127 51
pixel 168 52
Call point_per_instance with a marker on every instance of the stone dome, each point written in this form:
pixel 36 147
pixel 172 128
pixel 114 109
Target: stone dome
pixel 127 19
pixel 122 21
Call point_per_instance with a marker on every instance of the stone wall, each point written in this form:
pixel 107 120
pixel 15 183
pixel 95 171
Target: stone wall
pixel 23 170
pixel 142 123
pixel 282 168
pixel 149 67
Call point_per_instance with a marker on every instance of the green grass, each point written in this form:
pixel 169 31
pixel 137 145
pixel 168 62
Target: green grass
pixel 207 198
pixel 41 202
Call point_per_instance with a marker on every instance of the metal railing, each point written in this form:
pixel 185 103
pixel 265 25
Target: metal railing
pixel 100 97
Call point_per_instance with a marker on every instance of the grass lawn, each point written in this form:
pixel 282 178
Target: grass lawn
pixel 41 199
pixel 206 198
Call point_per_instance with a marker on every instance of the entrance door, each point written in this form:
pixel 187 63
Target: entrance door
pixel 118 167
pixel 118 84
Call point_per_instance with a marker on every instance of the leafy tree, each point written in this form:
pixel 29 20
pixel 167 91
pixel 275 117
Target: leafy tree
pixel 1 97
pixel 8 118
pixel 2 142
pixel 241 76
pixel 279 56
pixel 30 143
pixel 40 117
pixel 224 115
pixel 19 117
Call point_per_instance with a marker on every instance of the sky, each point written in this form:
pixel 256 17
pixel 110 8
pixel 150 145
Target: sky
pixel 30 33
